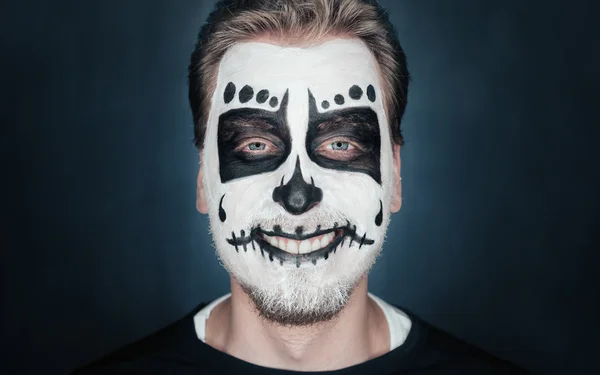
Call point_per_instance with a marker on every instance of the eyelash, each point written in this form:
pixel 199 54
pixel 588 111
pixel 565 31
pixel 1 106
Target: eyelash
pixel 327 147
pixel 349 146
pixel 246 146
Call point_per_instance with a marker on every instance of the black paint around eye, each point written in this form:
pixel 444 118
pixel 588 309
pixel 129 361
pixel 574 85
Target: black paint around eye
pixel 371 93
pixel 247 122
pixel 355 92
pixel 246 93
pixel 338 99
pixel 262 96
pixel 358 123
pixel 229 92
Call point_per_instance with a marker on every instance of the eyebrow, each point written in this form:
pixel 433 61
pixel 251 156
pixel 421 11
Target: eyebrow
pixel 348 117
pixel 251 118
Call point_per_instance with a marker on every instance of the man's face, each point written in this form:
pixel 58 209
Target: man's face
pixel 298 174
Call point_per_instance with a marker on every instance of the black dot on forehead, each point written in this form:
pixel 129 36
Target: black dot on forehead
pixel 229 92
pixel 262 96
pixel 338 99
pixel 246 94
pixel 273 102
pixel 355 92
pixel 325 104
pixel 371 93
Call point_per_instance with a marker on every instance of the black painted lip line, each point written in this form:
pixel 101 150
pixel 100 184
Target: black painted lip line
pixel 346 231
pixel 284 256
pixel 296 236
pixel 256 235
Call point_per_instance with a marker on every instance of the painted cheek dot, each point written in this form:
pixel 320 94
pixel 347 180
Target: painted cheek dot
pixel 273 102
pixel 262 96
pixel 338 99
pixel 229 92
pixel 325 104
pixel 355 92
pixel 371 93
pixel 246 94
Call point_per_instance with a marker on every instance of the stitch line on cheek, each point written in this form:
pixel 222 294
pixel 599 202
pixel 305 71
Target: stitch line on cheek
pixel 362 240
pixel 242 236
pixel 235 242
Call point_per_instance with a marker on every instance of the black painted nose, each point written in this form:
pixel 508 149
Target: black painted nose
pixel 296 196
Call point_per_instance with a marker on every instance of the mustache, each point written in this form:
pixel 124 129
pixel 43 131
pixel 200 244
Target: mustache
pixel 287 223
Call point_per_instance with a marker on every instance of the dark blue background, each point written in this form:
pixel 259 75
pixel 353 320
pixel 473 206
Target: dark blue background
pixel 496 241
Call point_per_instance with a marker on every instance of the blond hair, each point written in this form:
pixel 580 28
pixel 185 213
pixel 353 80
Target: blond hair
pixel 297 22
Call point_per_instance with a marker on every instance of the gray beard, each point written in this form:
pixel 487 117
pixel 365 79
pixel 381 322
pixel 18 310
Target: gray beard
pixel 296 310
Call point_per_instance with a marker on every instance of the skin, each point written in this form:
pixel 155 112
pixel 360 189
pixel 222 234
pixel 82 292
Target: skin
pixel 357 334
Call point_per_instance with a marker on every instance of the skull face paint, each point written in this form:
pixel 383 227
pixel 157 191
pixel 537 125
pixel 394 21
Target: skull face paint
pixel 298 174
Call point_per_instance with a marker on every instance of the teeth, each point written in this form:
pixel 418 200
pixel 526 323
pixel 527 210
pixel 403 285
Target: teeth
pixel 282 244
pixel 272 241
pixel 305 247
pixel 300 247
pixel 292 246
pixel 316 245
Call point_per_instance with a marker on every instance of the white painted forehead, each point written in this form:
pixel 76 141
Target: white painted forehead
pixel 325 68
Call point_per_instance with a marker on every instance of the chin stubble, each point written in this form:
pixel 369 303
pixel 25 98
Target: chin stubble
pixel 297 308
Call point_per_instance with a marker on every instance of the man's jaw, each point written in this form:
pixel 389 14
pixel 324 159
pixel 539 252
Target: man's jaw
pixel 298 248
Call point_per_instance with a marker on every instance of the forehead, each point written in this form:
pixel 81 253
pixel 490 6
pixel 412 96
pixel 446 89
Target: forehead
pixel 323 68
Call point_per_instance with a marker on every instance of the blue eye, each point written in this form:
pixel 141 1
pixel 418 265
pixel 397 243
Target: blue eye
pixel 256 146
pixel 340 146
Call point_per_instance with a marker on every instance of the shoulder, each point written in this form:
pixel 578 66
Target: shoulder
pixel 443 353
pixel 172 348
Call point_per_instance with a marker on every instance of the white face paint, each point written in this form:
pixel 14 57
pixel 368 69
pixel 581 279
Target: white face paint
pixel 295 167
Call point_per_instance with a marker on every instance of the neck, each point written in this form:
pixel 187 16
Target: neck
pixel 357 334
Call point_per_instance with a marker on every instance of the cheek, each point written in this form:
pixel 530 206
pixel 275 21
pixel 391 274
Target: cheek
pixel 245 198
pixel 356 195
pixel 387 173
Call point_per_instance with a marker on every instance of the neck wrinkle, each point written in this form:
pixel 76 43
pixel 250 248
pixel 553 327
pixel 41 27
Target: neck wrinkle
pixel 340 343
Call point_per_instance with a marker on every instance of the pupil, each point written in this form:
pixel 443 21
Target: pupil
pixel 340 145
pixel 255 146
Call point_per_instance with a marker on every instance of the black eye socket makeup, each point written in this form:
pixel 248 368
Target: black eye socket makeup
pixel 359 124
pixel 237 125
pixel 356 125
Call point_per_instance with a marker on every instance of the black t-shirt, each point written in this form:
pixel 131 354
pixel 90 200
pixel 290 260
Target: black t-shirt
pixel 176 349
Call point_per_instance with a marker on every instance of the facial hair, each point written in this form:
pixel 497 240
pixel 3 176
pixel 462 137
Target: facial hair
pixel 283 289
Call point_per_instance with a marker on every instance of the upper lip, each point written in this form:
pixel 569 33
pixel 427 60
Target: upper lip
pixel 346 230
pixel 298 236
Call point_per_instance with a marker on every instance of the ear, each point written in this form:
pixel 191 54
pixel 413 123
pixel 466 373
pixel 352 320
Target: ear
pixel 201 205
pixel 397 192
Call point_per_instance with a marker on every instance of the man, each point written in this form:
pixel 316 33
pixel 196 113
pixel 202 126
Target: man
pixel 297 106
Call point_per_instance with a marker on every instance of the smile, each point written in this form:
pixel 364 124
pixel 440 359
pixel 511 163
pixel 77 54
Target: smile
pixel 304 246
pixel 298 248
